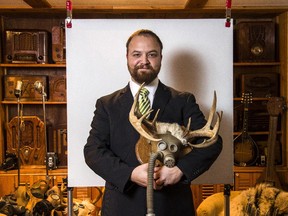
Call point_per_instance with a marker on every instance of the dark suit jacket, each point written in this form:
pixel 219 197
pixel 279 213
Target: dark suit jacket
pixel 110 152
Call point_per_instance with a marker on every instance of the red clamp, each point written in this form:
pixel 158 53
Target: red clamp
pixel 228 13
pixel 69 13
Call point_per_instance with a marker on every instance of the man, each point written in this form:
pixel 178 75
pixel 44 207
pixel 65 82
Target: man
pixel 110 148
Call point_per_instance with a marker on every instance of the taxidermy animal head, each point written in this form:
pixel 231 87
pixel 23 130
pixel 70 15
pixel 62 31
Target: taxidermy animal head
pixel 173 140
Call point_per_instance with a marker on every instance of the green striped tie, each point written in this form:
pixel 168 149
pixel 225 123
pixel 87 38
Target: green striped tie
pixel 144 102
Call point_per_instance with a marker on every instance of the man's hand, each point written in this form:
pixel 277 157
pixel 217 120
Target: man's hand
pixel 140 174
pixel 163 176
pixel 168 176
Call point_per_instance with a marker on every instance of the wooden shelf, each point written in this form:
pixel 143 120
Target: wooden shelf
pixel 35 102
pixel 35 170
pixel 256 169
pixel 255 64
pixel 254 99
pixel 256 133
pixel 33 65
pixel 251 169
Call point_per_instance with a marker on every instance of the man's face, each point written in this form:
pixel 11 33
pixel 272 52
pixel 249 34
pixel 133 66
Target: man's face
pixel 144 59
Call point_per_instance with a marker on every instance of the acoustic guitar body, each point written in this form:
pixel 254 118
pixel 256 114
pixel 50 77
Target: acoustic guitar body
pixel 246 151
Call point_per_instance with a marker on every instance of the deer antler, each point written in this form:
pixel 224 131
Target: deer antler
pixel 137 122
pixel 206 130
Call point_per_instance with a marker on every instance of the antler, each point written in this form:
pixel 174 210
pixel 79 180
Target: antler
pixel 206 130
pixel 137 123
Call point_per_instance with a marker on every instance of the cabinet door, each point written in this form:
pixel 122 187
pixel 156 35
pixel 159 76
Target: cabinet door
pixel 201 192
pixel 244 180
pixel 7 185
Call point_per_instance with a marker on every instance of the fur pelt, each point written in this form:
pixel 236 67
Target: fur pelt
pixel 175 129
pixel 261 200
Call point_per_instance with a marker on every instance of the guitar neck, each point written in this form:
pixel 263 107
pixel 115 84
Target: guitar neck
pixel 275 107
pixel 246 100
pixel 245 122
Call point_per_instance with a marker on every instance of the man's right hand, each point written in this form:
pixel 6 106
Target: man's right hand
pixel 140 176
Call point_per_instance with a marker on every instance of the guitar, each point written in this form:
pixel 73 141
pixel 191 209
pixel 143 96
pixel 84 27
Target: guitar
pixel 246 151
pixel 275 106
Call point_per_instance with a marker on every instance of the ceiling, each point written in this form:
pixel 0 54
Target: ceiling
pixel 102 4
pixel 157 8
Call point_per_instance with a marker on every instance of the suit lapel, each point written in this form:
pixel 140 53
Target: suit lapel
pixel 162 97
pixel 125 97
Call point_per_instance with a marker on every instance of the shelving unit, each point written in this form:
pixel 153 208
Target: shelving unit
pixel 245 177
pixel 248 176
pixel 56 115
pixel 256 80
pixel 56 110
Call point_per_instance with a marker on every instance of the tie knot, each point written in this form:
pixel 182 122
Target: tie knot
pixel 144 102
pixel 144 91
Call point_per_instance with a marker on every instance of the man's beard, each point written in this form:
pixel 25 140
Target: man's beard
pixel 140 77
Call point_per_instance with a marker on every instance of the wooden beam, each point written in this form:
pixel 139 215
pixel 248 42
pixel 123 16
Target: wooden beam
pixel 110 12
pixel 38 3
pixel 195 4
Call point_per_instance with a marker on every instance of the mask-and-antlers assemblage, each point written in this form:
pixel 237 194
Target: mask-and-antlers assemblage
pixel 164 143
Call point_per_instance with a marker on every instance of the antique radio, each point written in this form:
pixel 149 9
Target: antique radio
pixel 28 89
pixel 58 44
pixel 52 160
pixel 57 88
pixel 26 46
pixel 255 41
pixel 58 142
pixel 264 151
pixel 32 142
pixel 257 118
pixel 261 84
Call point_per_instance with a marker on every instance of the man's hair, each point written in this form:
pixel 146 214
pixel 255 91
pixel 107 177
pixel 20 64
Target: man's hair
pixel 146 33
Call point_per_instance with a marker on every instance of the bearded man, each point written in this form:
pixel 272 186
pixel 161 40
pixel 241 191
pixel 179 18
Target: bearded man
pixel 110 147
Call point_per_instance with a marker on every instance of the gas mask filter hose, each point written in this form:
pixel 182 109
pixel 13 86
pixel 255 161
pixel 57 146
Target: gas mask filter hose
pixel 149 193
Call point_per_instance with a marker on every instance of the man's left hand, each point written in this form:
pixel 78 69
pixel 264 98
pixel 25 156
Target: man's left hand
pixel 167 176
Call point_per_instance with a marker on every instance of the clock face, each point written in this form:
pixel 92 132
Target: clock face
pixel 257 49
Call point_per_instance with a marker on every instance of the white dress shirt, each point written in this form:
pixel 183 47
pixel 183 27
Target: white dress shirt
pixel 151 88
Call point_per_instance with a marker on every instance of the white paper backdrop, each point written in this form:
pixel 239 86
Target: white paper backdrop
pixel 197 57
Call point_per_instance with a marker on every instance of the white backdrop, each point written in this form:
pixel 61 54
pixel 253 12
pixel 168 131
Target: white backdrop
pixel 197 57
